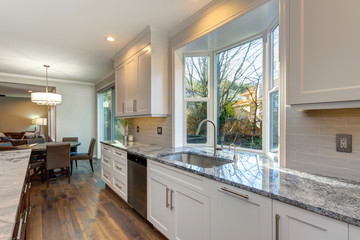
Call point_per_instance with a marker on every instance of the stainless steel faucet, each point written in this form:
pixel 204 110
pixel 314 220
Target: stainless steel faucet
pixel 235 151
pixel 215 133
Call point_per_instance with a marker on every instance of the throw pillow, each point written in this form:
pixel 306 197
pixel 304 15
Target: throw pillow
pixel 29 135
pixel 2 135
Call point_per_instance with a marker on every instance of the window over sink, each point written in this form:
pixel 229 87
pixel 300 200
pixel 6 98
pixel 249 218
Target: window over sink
pixel 237 86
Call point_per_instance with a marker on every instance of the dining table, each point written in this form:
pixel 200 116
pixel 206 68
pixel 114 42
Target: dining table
pixel 41 147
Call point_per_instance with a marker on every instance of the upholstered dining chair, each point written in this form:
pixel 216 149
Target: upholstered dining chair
pixel 85 156
pixel 73 150
pixel 57 156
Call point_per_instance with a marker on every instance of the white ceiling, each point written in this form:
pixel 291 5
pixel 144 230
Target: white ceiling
pixel 70 35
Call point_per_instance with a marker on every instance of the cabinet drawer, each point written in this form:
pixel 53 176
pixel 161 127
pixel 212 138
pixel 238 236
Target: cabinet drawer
pixel 106 159
pixel 120 167
pixel 120 187
pixel 105 148
pixel 106 174
pixel 192 181
pixel 119 153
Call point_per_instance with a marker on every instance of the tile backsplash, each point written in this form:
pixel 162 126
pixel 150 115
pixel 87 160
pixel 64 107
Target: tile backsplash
pixel 148 130
pixel 311 142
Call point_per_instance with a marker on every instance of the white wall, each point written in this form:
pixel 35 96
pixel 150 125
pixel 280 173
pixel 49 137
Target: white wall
pixel 76 115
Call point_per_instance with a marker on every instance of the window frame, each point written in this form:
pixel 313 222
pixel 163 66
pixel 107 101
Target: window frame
pixel 197 99
pixel 267 67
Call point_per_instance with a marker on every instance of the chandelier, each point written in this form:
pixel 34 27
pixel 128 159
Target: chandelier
pixel 46 98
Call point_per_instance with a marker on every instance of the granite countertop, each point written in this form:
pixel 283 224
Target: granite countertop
pixel 13 167
pixel 335 198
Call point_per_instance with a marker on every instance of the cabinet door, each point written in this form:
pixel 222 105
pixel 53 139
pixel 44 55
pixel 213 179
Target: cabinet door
pixel 324 51
pixel 132 85
pixel 298 224
pixel 191 212
pixel 238 214
pixel 120 90
pixel 158 211
pixel 354 232
pixel 143 101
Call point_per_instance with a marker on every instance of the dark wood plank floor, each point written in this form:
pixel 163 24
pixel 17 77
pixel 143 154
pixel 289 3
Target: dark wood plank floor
pixel 83 209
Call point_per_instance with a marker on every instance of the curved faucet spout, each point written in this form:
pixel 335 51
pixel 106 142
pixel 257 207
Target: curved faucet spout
pixel 215 132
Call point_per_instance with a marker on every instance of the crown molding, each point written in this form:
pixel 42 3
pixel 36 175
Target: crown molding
pixel 43 79
pixel 105 77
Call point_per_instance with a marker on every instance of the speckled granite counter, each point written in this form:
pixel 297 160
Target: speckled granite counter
pixel 13 167
pixel 260 174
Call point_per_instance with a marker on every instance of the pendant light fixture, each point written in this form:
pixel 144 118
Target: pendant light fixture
pixel 46 98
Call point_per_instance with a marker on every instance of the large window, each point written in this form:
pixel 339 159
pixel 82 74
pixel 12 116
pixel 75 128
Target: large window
pixel 239 98
pixel 238 90
pixel 196 97
pixel 110 126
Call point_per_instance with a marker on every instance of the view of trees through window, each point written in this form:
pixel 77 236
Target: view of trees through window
pixel 239 95
pixel 111 127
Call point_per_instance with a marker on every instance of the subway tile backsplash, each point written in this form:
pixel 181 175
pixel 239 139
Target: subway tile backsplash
pixel 148 130
pixel 311 145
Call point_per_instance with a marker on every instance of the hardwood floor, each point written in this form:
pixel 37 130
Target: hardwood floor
pixel 83 209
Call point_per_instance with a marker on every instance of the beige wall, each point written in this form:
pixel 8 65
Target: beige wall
pixel 311 145
pixel 16 114
pixel 148 130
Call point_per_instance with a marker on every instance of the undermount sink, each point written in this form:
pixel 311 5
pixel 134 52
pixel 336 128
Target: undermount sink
pixel 200 161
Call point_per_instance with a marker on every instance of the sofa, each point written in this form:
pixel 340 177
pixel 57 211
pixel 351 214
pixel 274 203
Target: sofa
pixel 20 138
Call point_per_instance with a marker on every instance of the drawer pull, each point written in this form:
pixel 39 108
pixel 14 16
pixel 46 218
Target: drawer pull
pixel 235 193
pixel 119 168
pixel 171 200
pixel 118 186
pixel 167 197
pixel 119 153
pixel 106 160
pixel 106 176
pixel 105 148
pixel 25 189
pixel 277 218
pixel 18 236
pixel 26 216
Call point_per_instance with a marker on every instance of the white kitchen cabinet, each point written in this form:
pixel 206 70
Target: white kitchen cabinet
pixel 292 223
pixel 354 232
pixel 158 204
pixel 141 73
pixel 120 90
pixel 175 209
pixel 239 214
pixel 324 55
pixel 114 169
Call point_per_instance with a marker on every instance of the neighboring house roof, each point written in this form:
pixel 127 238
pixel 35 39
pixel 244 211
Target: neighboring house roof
pixel 246 97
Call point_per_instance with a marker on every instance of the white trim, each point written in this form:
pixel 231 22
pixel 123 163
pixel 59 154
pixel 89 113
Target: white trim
pixel 43 79
pixel 105 77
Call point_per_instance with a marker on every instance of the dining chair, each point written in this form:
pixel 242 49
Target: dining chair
pixel 57 156
pixel 85 156
pixel 73 150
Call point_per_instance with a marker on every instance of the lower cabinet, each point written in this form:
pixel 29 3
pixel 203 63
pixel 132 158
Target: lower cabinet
pixel 292 223
pixel 114 169
pixel 176 210
pixel 354 232
pixel 239 214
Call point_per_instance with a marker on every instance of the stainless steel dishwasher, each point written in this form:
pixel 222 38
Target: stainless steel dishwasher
pixel 137 186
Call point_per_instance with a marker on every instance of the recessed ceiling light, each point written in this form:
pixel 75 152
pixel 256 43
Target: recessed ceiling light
pixel 110 38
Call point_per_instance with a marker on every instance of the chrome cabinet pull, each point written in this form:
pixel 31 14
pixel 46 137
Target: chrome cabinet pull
pixel 134 105
pixel 167 197
pixel 235 193
pixel 171 199
pixel 277 218
pixel 123 107
pixel 18 236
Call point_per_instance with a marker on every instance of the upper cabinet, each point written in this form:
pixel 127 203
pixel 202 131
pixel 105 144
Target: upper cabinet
pixel 323 53
pixel 141 76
